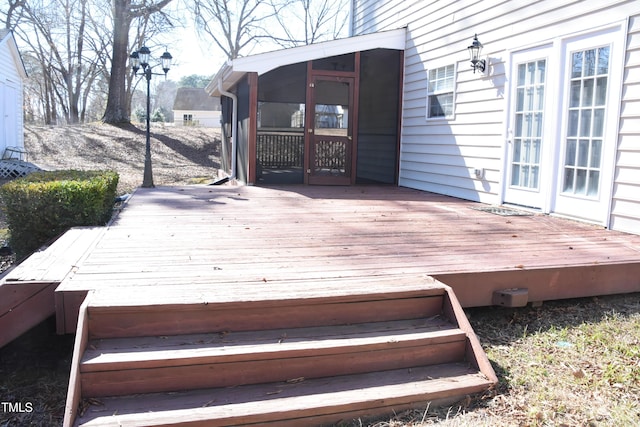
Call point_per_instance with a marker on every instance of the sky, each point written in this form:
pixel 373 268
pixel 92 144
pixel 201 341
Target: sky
pixel 192 56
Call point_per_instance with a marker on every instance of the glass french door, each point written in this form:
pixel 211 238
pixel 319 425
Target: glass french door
pixel 589 135
pixel 330 133
pixel 526 183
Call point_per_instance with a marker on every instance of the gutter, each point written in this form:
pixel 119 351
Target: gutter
pixel 234 133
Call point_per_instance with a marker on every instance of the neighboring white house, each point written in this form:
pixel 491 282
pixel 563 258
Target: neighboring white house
pixel 552 124
pixel 12 73
pixel 194 107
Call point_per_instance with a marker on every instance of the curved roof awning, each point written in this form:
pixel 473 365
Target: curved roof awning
pixel 261 63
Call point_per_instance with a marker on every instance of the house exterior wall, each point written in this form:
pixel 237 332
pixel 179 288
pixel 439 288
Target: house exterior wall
pixel 210 119
pixel 11 97
pixel 442 155
pixel 625 207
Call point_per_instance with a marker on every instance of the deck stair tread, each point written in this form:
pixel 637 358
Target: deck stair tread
pixel 126 353
pixel 277 292
pixel 307 397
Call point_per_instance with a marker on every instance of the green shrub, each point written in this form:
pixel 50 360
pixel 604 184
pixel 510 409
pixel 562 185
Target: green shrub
pixel 43 205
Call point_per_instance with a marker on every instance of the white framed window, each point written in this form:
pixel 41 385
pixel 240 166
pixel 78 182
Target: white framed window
pixel 440 92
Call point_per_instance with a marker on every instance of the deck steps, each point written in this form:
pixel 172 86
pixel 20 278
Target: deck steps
pixel 284 358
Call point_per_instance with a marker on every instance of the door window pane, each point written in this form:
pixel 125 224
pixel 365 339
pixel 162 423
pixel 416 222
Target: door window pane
pixel 574 94
pixel 572 129
pixel 603 60
pixel 570 156
pixel 541 71
pixel 576 65
pixel 585 122
pixel 581 181
pixel 598 122
pixel 601 91
pixel 596 151
pixel 583 152
pixel 594 180
pixel 589 62
pixel 567 185
pixel 536 129
pixel 587 93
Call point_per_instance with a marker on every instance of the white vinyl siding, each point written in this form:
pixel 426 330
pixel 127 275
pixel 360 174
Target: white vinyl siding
pixel 625 205
pixel 441 155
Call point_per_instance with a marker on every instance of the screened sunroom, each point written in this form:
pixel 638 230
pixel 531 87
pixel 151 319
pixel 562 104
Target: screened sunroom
pixel 319 114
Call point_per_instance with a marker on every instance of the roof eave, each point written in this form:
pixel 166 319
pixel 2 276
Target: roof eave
pixel 232 71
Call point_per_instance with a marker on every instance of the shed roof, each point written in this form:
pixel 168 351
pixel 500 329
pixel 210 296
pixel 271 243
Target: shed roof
pixel 261 63
pixel 195 99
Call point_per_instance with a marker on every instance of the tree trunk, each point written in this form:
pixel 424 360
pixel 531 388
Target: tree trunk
pixel 118 110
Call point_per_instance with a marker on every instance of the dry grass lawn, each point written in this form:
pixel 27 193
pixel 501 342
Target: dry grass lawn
pixel 565 363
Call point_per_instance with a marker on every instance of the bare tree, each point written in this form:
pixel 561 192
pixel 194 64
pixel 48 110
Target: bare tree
pixel 234 25
pixel 309 21
pixel 60 37
pixel 13 13
pixel 118 109
pixel 239 26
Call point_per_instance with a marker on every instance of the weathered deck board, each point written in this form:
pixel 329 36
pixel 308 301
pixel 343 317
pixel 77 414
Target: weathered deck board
pixel 176 350
pixel 310 402
pixel 55 262
pixel 236 237
pixel 22 307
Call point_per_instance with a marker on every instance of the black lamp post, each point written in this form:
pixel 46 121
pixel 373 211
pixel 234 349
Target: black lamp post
pixel 141 59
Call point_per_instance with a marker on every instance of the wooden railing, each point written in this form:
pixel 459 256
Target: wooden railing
pixel 280 150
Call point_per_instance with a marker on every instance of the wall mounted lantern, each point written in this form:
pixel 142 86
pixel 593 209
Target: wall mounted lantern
pixel 140 59
pixel 474 55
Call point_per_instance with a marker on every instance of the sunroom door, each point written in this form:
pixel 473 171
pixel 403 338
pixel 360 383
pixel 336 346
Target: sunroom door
pixel 528 141
pixel 589 134
pixel 331 143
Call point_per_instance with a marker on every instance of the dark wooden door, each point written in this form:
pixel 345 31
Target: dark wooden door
pixel 331 146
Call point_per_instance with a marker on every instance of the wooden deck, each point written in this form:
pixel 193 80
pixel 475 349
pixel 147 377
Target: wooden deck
pixel 257 239
pixel 196 291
